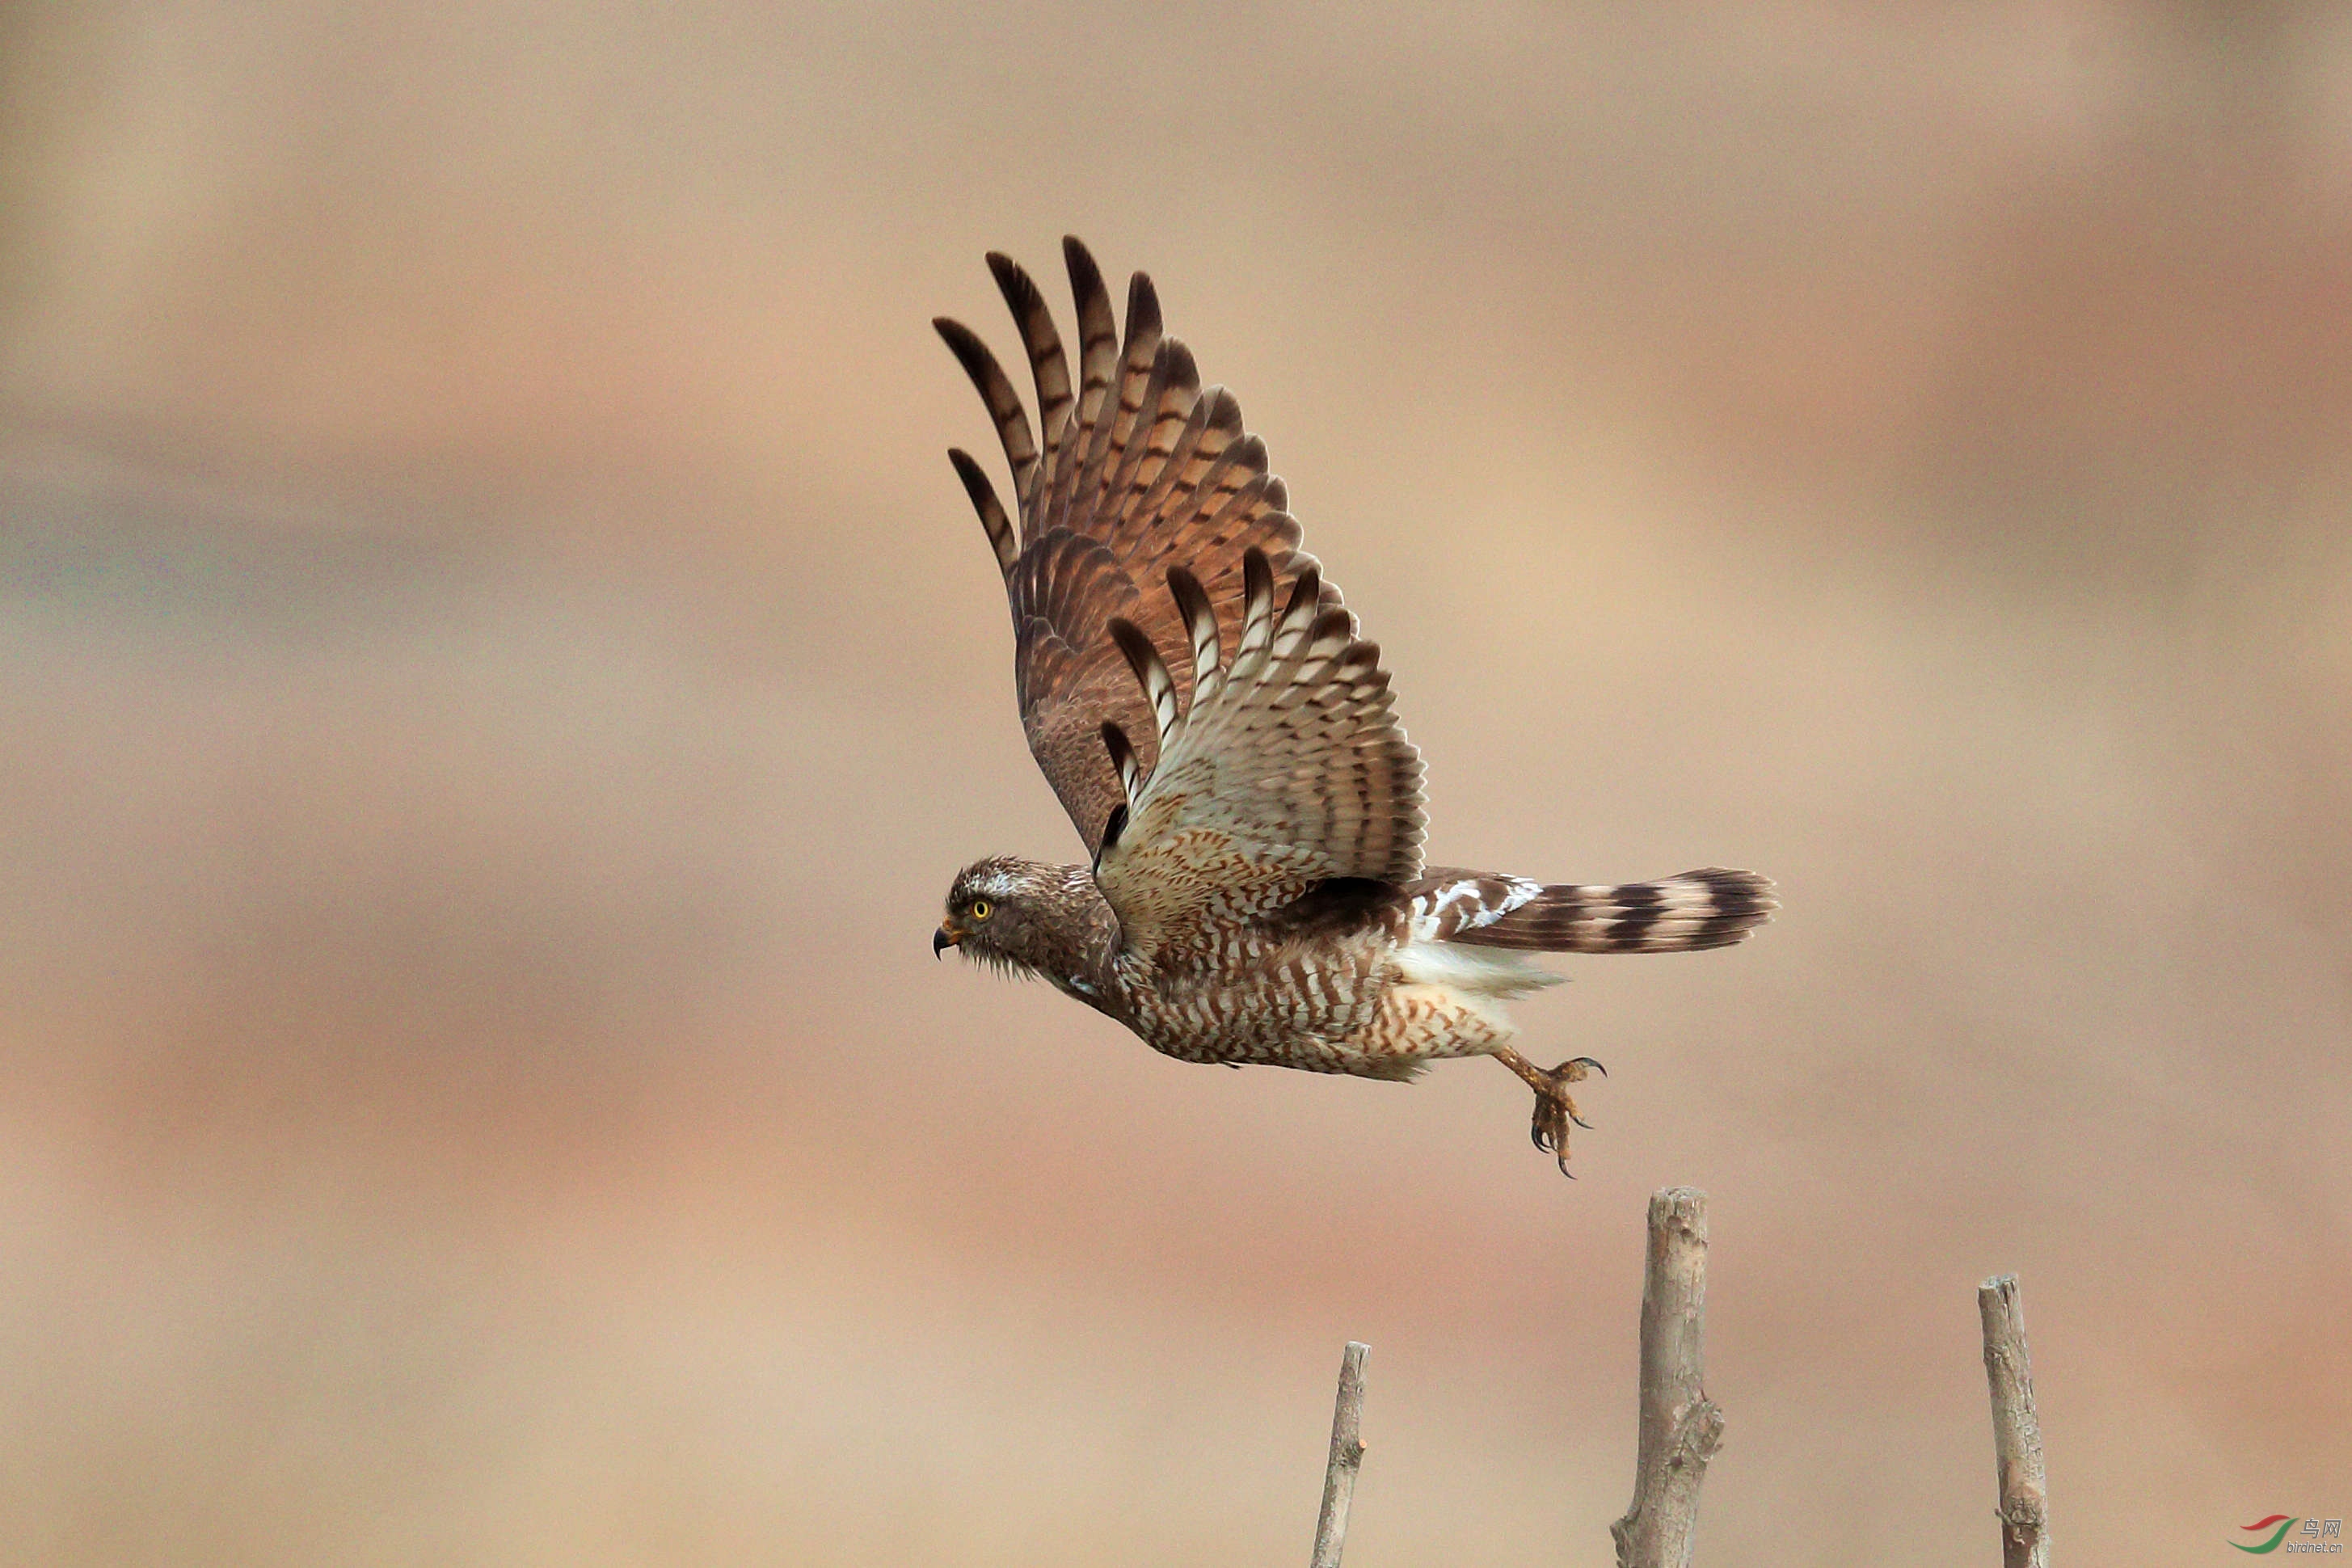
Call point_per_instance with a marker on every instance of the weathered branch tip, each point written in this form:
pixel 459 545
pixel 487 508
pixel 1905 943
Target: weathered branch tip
pixel 1347 1459
pixel 1681 1428
pixel 2016 1427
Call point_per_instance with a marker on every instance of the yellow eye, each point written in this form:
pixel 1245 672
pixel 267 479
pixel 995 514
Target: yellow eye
pixel 980 909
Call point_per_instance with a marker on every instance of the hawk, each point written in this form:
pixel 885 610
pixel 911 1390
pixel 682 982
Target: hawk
pixel 1229 750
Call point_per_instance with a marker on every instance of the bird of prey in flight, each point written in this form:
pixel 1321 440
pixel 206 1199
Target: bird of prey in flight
pixel 1229 748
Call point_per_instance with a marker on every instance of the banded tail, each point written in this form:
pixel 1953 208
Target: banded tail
pixel 1685 913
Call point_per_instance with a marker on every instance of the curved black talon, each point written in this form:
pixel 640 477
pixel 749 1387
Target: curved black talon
pixel 1555 1112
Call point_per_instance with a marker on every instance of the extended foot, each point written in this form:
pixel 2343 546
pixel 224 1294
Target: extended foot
pixel 1554 1110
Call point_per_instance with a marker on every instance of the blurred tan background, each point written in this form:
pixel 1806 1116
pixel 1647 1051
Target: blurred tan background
pixel 497 673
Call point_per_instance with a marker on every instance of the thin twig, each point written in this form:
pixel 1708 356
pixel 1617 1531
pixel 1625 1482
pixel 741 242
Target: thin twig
pixel 1681 1428
pixel 2016 1427
pixel 1347 1459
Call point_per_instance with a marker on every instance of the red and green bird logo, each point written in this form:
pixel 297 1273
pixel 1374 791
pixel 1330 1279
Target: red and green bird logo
pixel 2277 1535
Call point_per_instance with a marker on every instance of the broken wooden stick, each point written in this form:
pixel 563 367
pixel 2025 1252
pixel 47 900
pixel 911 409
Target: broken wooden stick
pixel 1680 1427
pixel 2016 1427
pixel 1347 1457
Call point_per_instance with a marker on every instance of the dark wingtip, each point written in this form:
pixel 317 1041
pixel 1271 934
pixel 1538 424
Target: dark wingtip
pixel 1002 541
pixel 1182 369
pixel 1085 277
pixel 1121 750
pixel 974 477
pixel 1142 307
pixel 1306 588
pixel 1186 588
pixel 1224 410
pixel 964 343
pixel 1012 281
pixel 1112 827
pixel 1140 652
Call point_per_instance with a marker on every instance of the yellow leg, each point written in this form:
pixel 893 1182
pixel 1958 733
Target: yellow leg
pixel 1554 1108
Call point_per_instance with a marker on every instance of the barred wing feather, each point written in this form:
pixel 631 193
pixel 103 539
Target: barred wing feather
pixel 1286 767
pixel 1132 470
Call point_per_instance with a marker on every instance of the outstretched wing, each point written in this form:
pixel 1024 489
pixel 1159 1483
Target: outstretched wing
pixel 1287 768
pixel 1139 471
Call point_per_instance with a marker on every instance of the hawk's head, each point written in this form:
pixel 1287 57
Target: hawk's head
pixel 1005 911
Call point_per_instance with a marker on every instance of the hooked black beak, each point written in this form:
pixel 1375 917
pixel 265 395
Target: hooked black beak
pixel 941 941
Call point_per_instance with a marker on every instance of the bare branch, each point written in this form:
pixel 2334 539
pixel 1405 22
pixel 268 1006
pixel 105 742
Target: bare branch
pixel 1347 1457
pixel 1681 1428
pixel 2016 1427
